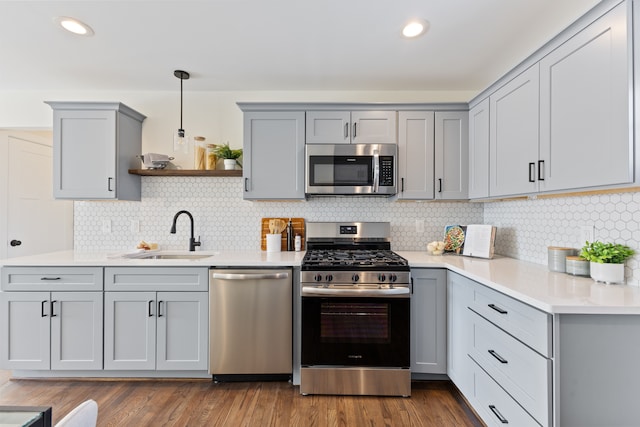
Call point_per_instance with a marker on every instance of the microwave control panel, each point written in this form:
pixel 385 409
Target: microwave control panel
pixel 386 170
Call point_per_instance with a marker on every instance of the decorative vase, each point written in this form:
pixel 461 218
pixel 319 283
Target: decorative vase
pixel 229 164
pixel 607 273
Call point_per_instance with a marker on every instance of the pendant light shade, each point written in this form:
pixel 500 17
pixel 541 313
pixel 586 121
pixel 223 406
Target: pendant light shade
pixel 180 139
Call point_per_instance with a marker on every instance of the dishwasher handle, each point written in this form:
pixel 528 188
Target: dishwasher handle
pixel 250 276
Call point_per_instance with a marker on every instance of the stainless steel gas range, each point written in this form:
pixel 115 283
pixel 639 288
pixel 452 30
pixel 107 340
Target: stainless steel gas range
pixel 355 312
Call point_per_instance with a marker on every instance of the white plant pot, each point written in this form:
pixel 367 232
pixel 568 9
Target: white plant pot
pixel 607 273
pixel 229 164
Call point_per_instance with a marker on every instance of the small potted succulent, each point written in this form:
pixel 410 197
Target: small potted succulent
pixel 606 260
pixel 230 156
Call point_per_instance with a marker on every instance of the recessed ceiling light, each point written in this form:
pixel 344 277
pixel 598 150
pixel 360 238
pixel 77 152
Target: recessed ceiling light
pixel 74 26
pixel 415 28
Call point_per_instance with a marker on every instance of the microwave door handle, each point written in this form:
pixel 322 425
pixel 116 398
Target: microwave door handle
pixel 376 170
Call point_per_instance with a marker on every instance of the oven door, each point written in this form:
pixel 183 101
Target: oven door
pixel 350 169
pixel 355 331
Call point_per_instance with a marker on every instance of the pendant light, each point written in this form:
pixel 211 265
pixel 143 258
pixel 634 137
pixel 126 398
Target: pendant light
pixel 180 139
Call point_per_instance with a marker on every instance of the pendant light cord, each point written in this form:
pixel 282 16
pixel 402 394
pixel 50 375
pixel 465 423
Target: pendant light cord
pixel 182 75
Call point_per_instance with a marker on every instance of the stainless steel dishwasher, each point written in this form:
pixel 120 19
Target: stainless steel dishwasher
pixel 250 324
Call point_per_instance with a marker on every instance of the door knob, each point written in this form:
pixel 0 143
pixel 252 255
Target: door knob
pixel 15 243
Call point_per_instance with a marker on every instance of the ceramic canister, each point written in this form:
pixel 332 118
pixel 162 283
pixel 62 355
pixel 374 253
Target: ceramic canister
pixel 557 257
pixel 577 266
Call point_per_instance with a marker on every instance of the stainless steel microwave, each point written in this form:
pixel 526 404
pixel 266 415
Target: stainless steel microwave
pixel 351 169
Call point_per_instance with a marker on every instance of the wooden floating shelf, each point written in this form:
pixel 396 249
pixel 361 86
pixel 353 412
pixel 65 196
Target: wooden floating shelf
pixel 184 172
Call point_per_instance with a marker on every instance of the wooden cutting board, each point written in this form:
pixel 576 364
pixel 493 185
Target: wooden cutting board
pixel 298 228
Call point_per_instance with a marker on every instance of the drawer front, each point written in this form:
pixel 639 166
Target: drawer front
pixel 156 279
pixel 522 372
pixel 495 406
pixel 52 279
pixel 529 325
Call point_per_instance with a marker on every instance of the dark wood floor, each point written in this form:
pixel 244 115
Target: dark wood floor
pixel 204 403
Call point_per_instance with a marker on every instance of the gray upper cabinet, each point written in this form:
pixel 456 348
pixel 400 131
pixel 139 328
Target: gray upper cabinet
pixel 274 155
pixel 479 150
pixel 586 97
pixel 513 136
pixel 94 146
pixel 416 155
pixel 565 122
pixel 355 127
pixel 451 155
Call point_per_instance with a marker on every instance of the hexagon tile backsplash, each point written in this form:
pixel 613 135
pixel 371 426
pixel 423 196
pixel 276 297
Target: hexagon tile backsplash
pixel 226 222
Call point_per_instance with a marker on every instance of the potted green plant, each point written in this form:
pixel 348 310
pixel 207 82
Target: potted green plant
pixel 606 260
pixel 229 155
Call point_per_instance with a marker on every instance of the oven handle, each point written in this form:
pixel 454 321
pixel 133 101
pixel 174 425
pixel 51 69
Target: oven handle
pixel 312 290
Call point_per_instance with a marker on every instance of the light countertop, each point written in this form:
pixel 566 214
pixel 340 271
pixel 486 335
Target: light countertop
pixel 533 284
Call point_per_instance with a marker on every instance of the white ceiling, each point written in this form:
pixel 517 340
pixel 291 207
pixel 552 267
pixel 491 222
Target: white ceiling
pixel 273 44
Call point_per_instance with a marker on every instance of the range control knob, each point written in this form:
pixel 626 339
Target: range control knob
pixel 355 278
pixel 329 278
pixel 381 277
pixel 393 278
pixel 317 277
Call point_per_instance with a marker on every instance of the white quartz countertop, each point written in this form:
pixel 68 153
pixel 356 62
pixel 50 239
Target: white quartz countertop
pixel 533 284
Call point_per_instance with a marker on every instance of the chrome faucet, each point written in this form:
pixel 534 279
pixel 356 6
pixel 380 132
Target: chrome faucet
pixel 192 241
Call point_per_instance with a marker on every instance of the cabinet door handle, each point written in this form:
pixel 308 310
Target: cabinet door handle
pixel 495 411
pixel 541 170
pixel 50 278
pixel 355 130
pixel 246 181
pixel 439 185
pixel 532 172
pixel 159 308
pixel 498 357
pixel 15 242
pixel 346 130
pixel 402 185
pixel 42 313
pixel 150 309
pixel 53 304
pixel 109 180
pixel 498 309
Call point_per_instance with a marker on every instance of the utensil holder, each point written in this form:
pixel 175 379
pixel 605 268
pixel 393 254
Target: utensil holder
pixel 274 242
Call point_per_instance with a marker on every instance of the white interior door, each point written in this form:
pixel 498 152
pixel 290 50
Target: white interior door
pixel 34 218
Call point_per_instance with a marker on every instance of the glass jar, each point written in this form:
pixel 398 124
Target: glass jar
pixel 199 153
pixel 212 159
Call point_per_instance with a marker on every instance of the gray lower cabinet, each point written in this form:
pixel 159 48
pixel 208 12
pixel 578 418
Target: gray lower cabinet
pixel 429 321
pixel 459 297
pixel 500 354
pixel 156 330
pixel 46 324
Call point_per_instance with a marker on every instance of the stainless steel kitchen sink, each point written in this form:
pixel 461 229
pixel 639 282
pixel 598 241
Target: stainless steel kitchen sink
pixel 174 255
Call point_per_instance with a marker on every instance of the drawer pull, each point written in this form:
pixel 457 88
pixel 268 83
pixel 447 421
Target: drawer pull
pixel 50 278
pixel 498 357
pixel 498 309
pixel 497 413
